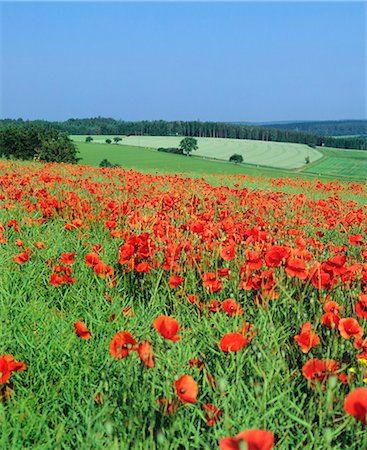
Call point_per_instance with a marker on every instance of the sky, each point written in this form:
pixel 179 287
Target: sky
pixel 221 61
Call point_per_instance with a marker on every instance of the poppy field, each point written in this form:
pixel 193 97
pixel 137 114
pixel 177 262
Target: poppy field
pixel 159 311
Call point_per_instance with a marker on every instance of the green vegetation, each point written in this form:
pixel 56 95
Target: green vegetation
pixel 339 164
pixel 188 145
pixel 272 154
pixel 36 142
pixel 149 160
pixel 345 128
pixel 100 125
pixel 236 158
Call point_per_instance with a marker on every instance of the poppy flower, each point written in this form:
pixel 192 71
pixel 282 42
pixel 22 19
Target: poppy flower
pixel 254 439
pixel 39 245
pixel 307 338
pixel 175 281
pixel 355 404
pixel 212 414
pixel 187 389
pixel 122 344
pixel 21 258
pixel 91 259
pixel 361 307
pixel 8 365
pixel 318 370
pixel 229 252
pixel 296 268
pixel 146 354
pixel 67 258
pixel 102 270
pixel 231 307
pixel 350 327
pixel 82 331
pixel 167 327
pixel 232 342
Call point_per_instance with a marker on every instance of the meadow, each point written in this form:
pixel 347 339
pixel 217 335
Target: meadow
pixel 146 310
pixel 281 155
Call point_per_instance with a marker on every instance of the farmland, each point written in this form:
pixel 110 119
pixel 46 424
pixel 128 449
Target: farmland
pixel 160 311
pixel 334 164
pixel 272 154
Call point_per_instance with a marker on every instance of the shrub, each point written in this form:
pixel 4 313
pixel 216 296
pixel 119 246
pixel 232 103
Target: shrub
pixel 236 158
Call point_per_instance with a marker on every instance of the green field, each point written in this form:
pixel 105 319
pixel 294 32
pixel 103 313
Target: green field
pixel 282 155
pixel 335 163
pixel 341 163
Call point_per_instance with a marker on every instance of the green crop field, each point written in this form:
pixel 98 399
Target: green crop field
pixel 274 154
pixel 282 155
pixel 341 163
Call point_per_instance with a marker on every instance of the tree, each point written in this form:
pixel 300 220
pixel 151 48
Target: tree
pixel 108 141
pixel 37 142
pixel 236 158
pixel 117 139
pixel 188 144
pixel 88 139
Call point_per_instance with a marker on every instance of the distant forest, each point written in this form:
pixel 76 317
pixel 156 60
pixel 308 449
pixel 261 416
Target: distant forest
pixel 100 125
pixel 325 128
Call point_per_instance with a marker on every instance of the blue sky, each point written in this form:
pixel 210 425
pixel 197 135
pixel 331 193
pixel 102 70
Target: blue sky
pixel 246 61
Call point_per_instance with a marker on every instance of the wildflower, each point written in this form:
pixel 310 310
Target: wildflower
pixel 81 330
pixel 212 414
pixel 307 338
pixel 253 439
pixel 167 327
pixel 355 404
pixel 146 355
pixel 350 327
pixel 231 307
pixel 122 344
pixel 232 342
pixel 187 389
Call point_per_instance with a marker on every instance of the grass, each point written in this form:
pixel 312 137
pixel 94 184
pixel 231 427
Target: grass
pixel 273 154
pixel 74 393
pixel 337 163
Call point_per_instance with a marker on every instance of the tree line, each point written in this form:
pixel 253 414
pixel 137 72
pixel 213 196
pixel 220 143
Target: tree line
pixel 327 127
pixel 37 142
pixel 101 126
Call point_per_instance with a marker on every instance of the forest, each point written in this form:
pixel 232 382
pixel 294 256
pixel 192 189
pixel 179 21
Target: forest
pixel 109 126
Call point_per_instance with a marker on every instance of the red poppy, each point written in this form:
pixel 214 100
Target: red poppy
pixel 39 245
pixel 232 342
pixel 102 270
pixel 122 344
pixel 350 327
pixel 146 354
pixel 317 370
pixel 212 414
pixel 175 281
pixel 361 307
pixel 231 307
pixel 67 258
pixel 187 389
pixel 307 338
pixel 21 258
pixel 296 268
pixel 355 404
pixel 92 259
pixel 229 252
pixel 168 327
pixel 8 365
pixel 81 330
pixel 254 439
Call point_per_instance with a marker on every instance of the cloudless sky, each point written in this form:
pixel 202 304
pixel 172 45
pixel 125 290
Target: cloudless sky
pixel 225 61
